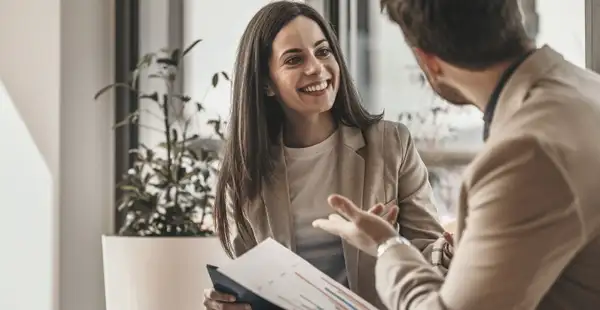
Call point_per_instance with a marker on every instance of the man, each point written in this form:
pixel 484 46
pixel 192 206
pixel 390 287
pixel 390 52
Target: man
pixel 528 229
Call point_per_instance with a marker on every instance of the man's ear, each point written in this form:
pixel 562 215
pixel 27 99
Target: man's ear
pixel 429 63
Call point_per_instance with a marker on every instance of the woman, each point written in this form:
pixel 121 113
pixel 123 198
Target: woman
pixel 297 134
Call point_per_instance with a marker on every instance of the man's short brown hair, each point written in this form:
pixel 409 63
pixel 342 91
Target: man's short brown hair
pixel 472 34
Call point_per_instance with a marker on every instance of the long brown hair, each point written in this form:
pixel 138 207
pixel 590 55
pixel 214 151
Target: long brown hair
pixel 256 119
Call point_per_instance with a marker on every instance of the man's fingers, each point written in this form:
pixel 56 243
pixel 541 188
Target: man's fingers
pixel 377 209
pixel 392 215
pixel 344 206
pixel 335 224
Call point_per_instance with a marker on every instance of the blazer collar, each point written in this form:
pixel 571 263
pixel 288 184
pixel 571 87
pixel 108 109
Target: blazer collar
pixel 275 194
pixel 520 83
pixel 352 137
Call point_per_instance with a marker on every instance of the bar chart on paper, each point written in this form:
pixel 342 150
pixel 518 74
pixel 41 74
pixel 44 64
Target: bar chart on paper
pixel 280 276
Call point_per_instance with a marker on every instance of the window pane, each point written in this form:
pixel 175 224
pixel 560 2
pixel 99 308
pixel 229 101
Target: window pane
pixel 220 37
pixel 204 20
pixel 390 80
pixel 562 26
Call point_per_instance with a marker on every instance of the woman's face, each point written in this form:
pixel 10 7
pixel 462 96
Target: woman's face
pixel 303 69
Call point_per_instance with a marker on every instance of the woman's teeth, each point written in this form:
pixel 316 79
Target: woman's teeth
pixel 314 88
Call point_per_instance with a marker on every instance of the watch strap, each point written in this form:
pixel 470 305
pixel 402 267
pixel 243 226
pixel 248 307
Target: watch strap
pixel 391 242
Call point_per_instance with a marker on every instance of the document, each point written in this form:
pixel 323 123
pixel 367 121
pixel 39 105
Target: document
pixel 283 279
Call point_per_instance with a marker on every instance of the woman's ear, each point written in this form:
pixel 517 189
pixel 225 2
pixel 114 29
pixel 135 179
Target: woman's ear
pixel 269 91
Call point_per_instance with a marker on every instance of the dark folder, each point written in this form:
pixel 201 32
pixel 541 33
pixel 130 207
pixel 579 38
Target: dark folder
pixel 224 284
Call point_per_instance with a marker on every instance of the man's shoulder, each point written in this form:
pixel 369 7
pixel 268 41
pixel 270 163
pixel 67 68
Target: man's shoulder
pixel 506 153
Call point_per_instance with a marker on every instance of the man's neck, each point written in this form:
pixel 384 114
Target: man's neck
pixel 479 86
pixel 482 85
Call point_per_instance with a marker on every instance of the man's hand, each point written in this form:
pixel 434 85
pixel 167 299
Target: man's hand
pixel 364 230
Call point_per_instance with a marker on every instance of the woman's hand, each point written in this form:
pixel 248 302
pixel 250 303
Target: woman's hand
pixel 449 249
pixel 215 300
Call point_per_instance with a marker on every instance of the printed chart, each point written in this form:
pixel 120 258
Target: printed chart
pixel 275 273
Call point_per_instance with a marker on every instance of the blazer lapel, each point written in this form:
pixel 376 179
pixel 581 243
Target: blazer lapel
pixel 351 166
pixel 277 204
pixel 351 178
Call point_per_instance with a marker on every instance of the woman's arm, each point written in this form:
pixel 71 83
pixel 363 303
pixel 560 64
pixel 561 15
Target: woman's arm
pixel 417 215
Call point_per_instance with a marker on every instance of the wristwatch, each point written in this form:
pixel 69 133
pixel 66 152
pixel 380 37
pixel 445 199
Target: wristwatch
pixel 391 242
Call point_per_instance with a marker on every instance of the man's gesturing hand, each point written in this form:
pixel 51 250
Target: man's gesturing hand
pixel 363 229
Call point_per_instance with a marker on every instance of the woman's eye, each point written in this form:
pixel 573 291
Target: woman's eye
pixel 293 60
pixel 324 52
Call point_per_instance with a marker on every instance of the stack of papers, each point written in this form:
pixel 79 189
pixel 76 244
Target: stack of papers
pixel 275 274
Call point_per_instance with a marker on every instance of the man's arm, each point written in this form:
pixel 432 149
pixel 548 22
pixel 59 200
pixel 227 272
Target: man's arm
pixel 521 231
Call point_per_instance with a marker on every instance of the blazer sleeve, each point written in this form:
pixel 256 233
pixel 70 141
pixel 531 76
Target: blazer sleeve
pixel 241 241
pixel 417 218
pixel 522 229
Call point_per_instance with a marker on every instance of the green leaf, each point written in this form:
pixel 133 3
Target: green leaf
pixel 131 118
pixel 183 98
pixel 174 135
pixel 199 107
pixel 115 85
pixel 191 46
pixel 149 154
pixel 175 57
pixel 157 76
pixel 205 174
pixel 215 79
pixel 153 96
pixel 145 60
pixel 129 188
pixel 225 75
pixel 166 62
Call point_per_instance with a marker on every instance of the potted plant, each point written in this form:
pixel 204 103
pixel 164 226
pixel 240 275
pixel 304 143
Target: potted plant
pixel 157 260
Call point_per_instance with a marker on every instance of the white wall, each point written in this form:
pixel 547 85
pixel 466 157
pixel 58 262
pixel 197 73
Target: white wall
pixel 29 169
pixel 28 233
pixel 56 171
pixel 86 150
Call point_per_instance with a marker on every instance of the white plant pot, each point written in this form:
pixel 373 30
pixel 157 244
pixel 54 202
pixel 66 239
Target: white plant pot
pixel 158 273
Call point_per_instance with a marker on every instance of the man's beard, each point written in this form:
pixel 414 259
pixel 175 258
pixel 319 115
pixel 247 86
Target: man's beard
pixel 447 92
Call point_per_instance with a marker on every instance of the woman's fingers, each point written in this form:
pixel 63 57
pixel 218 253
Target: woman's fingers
pixel 215 300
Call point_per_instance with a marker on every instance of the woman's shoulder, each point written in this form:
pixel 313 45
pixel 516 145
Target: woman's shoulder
pixel 389 130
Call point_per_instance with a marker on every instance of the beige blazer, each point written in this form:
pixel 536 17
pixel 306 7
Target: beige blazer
pixel 528 229
pixel 380 165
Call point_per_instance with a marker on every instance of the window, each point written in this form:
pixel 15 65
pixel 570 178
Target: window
pixel 382 65
pixel 389 80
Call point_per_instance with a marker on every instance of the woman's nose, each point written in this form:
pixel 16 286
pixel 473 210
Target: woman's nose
pixel 313 66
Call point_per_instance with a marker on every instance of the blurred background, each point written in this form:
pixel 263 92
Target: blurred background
pixel 60 157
